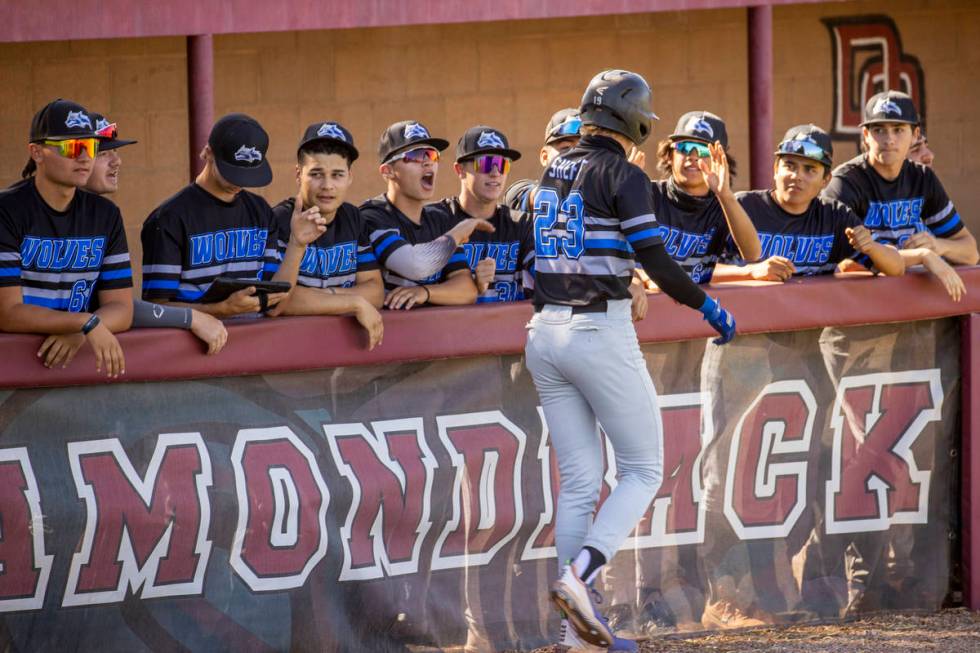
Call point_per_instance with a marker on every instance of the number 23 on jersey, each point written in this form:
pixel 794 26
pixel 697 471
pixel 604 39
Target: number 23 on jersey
pixel 558 230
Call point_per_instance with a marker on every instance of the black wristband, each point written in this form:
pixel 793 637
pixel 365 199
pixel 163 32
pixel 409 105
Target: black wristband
pixel 92 322
pixel 427 294
pixel 263 302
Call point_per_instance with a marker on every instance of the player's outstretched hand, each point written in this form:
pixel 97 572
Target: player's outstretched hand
pixel 714 170
pixel 108 351
pixel 485 271
pixel 305 226
pixel 461 233
pixel 60 349
pixel 860 238
pixel 951 281
pixel 209 330
pixel 719 319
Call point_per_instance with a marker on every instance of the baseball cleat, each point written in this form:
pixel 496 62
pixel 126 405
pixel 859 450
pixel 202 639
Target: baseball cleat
pixel 573 598
pixel 570 643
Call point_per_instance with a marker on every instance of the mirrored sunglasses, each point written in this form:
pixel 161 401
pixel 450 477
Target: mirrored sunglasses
pixel 570 127
pixel 109 131
pixel 72 148
pixel 686 147
pixel 488 162
pixel 418 155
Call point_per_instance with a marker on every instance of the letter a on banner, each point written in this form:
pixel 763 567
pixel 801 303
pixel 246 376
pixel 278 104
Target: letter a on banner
pixel 282 509
pixel 875 480
pixel 24 565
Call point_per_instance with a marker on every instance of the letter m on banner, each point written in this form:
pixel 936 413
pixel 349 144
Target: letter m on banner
pixel 875 480
pixel 868 59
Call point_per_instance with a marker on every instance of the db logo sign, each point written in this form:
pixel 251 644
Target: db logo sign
pixel 868 59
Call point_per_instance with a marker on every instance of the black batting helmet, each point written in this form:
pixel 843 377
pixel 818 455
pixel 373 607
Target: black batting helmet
pixel 619 100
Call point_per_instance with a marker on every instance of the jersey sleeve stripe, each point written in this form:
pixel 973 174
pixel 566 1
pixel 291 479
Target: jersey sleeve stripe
pixel 946 210
pixel 109 275
pixel 161 269
pixel 9 272
pixel 606 243
pixel 9 256
pixel 366 257
pixel 386 243
pixel 638 236
pixel 639 221
pixel 950 226
pixel 116 258
pixel 164 284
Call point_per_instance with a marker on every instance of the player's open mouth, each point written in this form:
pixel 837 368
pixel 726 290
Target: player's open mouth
pixel 428 180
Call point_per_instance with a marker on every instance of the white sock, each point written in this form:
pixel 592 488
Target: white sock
pixel 581 563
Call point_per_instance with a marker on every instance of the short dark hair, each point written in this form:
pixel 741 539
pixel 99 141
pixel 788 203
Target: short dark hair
pixel 663 158
pixel 323 147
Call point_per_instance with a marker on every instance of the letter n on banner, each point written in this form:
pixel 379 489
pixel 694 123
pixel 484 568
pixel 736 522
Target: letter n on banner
pixel 149 532
pixel 24 565
pixel 282 509
pixel 487 451
pixel 875 481
pixel 390 472
pixel 765 498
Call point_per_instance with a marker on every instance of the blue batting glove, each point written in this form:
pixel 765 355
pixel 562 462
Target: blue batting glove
pixel 719 319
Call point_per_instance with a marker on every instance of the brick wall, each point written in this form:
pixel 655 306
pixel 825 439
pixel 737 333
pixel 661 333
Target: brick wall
pixel 509 75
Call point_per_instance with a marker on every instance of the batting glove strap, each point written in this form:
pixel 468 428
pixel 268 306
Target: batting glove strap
pixel 719 319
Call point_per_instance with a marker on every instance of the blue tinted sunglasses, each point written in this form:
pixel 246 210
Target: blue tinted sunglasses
pixel 568 128
pixel 686 147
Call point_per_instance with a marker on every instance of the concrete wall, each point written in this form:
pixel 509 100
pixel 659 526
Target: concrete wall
pixel 511 75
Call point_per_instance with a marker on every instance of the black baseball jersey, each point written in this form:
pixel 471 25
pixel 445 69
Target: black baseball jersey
pixel 335 258
pixel 194 237
pixel 592 209
pixel 61 259
pixel 815 241
pixel 694 229
pixel 511 246
pixel 894 210
pixel 517 195
pixel 390 229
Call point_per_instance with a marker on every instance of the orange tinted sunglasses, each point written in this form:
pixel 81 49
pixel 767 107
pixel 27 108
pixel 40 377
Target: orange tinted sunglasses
pixel 72 148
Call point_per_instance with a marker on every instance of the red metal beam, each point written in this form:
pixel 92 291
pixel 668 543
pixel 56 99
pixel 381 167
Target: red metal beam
pixel 970 488
pixel 305 343
pixel 760 96
pixel 104 19
pixel 200 96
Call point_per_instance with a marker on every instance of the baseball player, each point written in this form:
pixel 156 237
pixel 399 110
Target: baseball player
pixel 901 202
pixel 417 244
pixel 104 180
pixel 561 135
pixel 801 233
pixel 64 261
pixel 339 274
pixel 213 227
pixel 593 217
pixel 698 214
pixel 503 261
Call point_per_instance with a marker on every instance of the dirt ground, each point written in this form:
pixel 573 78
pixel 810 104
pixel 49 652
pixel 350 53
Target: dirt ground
pixel 949 631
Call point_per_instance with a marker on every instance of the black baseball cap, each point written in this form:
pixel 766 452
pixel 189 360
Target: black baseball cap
pixel 62 119
pixel 330 132
pixel 890 106
pixel 405 135
pixel 701 126
pixel 239 144
pixel 106 132
pixel 808 141
pixel 566 123
pixel 484 140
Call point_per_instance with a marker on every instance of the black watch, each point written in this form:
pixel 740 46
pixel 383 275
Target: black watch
pixel 93 322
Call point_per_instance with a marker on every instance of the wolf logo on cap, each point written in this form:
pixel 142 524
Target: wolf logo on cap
pixel 700 125
pixel 331 130
pixel 415 130
pixel 248 154
pixel 490 139
pixel 886 106
pixel 78 119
